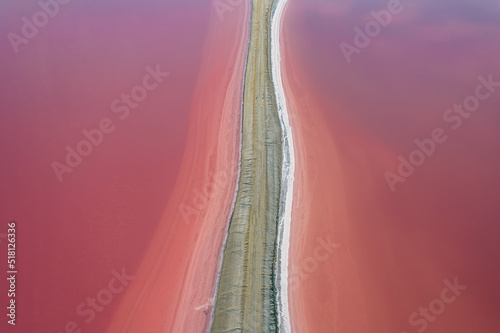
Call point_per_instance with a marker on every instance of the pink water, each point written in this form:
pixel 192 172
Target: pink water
pixel 442 221
pixel 74 231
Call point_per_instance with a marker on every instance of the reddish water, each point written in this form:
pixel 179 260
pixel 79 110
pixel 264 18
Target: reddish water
pixel 397 247
pixel 72 234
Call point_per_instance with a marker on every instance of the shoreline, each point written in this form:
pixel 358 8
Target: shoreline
pixel 288 172
pixel 226 235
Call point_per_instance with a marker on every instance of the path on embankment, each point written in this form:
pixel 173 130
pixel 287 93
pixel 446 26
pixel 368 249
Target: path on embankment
pixel 246 298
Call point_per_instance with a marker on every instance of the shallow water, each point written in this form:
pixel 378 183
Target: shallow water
pixel 76 228
pixel 439 219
